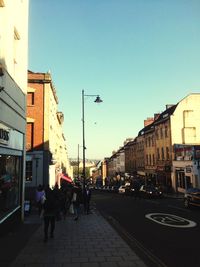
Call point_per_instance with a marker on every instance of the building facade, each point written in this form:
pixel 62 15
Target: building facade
pixel 13 89
pixel 46 157
pixel 151 156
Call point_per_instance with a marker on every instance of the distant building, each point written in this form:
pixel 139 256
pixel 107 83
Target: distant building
pixel 151 156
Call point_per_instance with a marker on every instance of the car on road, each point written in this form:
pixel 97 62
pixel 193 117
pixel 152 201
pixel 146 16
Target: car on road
pixel 192 197
pixel 150 191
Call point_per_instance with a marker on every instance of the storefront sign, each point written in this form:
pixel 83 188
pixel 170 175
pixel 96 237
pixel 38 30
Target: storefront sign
pixel 4 136
pixel 10 138
pixel 160 168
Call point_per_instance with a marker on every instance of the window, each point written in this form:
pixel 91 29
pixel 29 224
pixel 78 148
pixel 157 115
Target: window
pixel 2 4
pixel 29 171
pixel 161 133
pixel 158 153
pixel 30 99
pixel 157 134
pixel 167 153
pixel 10 172
pixel 149 141
pixel 29 135
pixel 153 159
pixel 15 46
pixel 153 141
pixel 146 142
pixel 162 153
pixel 166 131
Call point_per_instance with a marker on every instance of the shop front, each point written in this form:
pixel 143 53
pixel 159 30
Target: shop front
pixel 163 178
pixel 11 162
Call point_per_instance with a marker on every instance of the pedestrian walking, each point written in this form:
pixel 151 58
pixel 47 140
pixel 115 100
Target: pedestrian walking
pixel 49 208
pixel 86 199
pixel 76 200
pixel 57 195
pixel 39 197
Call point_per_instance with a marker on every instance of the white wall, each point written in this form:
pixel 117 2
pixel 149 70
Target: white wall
pixel 185 122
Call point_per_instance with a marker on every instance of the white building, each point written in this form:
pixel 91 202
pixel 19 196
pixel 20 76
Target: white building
pixel 185 130
pixel 13 89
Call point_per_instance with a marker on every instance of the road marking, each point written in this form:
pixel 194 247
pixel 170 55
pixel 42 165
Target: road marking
pixel 170 220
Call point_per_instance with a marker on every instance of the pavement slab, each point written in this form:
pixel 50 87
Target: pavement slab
pixel 89 242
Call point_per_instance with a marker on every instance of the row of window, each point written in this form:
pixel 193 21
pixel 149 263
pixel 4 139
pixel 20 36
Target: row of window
pixel 162 154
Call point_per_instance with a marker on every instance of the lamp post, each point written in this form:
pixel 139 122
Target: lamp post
pixel 97 100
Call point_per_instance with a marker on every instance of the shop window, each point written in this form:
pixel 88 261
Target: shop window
pixel 29 171
pixel 182 180
pixel 10 172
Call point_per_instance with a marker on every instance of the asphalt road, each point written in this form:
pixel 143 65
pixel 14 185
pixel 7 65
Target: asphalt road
pixel 153 228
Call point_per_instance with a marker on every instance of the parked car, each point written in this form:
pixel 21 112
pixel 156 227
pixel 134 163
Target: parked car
pixel 150 191
pixel 192 197
pixel 122 189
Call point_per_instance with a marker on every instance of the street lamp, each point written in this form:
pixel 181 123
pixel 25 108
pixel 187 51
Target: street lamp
pixel 97 100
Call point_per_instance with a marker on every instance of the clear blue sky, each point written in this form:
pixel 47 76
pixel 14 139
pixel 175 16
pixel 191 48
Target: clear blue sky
pixel 138 55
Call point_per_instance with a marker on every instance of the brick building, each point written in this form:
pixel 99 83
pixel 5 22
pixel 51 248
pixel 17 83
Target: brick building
pixel 46 148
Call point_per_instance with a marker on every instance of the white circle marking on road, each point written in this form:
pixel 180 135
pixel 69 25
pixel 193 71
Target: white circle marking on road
pixel 170 220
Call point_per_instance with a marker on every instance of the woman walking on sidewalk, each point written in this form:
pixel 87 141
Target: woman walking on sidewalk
pixel 76 200
pixel 49 208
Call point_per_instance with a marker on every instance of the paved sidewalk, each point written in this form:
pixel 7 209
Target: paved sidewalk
pixel 88 242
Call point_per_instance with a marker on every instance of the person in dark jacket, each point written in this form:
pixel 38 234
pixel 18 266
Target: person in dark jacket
pixel 49 207
pixel 58 196
pixel 76 200
pixel 86 199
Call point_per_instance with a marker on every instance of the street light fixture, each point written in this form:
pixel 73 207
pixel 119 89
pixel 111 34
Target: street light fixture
pixel 97 100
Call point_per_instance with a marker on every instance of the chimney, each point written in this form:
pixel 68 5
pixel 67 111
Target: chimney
pixel 148 121
pixel 169 106
pixel 156 115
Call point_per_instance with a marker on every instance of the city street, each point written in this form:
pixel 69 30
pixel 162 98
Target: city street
pixel 162 231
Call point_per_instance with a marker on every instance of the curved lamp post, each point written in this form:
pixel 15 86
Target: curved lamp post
pixel 97 100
